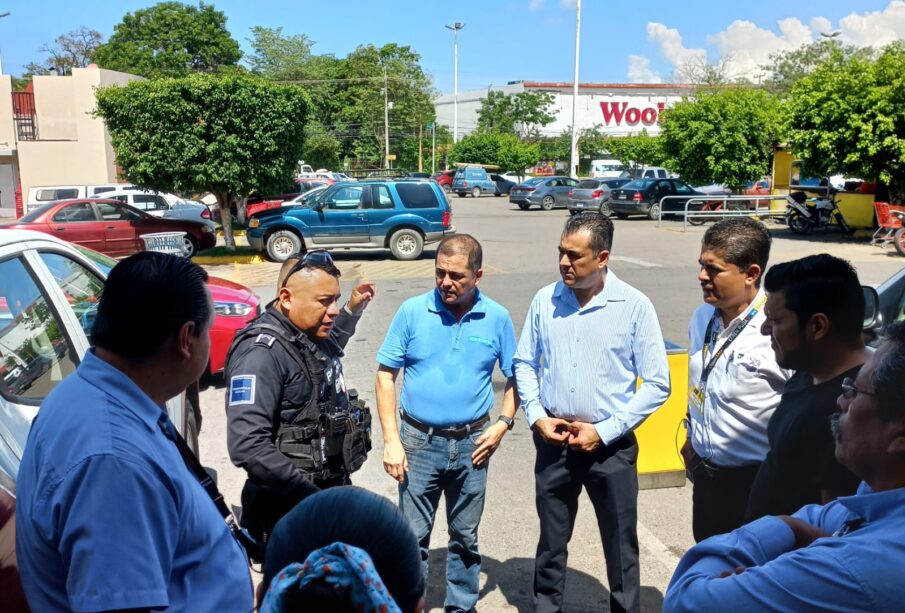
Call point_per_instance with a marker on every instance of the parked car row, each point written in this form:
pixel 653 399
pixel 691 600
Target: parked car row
pixel 110 227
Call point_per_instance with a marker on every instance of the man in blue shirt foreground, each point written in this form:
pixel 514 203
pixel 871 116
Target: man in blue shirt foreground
pixel 109 517
pixel 585 343
pixel 847 555
pixel 448 341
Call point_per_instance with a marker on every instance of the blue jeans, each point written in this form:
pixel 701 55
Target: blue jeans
pixel 439 465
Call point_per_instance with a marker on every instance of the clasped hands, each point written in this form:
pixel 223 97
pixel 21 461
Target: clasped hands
pixel 579 435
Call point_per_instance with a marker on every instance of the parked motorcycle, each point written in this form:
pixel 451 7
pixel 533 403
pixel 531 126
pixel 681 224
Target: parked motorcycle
pixel 804 214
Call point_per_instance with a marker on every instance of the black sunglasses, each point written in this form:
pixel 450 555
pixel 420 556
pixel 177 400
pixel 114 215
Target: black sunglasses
pixel 849 390
pixel 313 259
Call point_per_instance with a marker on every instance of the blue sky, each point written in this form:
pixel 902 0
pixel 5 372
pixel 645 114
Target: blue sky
pixel 505 40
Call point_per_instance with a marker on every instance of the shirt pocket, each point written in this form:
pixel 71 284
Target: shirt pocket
pixel 482 349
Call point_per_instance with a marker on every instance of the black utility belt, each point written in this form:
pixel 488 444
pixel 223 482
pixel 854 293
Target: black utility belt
pixel 728 471
pixel 453 432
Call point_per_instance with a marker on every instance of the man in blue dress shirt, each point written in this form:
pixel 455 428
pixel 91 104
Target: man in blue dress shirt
pixel 448 341
pixel 847 555
pixel 585 343
pixel 109 517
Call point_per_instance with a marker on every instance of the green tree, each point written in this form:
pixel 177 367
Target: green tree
pixel 724 135
pixel 522 114
pixel 848 116
pixel 591 141
pixel 226 134
pixel 170 39
pixel 74 49
pixel 278 57
pixel 321 148
pixel 787 67
pixel 637 149
pixel 503 150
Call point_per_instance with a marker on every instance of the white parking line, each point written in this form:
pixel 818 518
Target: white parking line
pixel 655 547
pixel 638 261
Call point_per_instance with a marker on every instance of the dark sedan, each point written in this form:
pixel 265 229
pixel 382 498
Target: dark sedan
pixel 111 227
pixel 643 197
pixel 593 195
pixel 546 192
pixel 503 185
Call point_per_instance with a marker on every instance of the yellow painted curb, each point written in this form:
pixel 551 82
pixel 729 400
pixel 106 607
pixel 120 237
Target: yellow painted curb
pixel 215 260
pixel 219 232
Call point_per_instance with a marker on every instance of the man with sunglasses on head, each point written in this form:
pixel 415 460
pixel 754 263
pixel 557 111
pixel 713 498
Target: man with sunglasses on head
pixel 847 555
pixel 813 316
pixel 291 423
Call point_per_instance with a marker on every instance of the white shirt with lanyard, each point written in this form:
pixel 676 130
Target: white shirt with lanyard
pixel 734 385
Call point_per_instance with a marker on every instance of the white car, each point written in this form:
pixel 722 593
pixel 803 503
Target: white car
pixel 164 205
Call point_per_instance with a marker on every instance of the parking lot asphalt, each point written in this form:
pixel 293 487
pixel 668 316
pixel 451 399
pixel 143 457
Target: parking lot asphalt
pixel 519 258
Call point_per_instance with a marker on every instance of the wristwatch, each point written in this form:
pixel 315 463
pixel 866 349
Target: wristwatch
pixel 507 420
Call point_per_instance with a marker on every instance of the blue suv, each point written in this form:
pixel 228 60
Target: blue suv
pixel 402 216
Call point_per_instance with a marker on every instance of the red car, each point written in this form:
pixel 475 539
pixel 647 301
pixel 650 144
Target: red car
pixel 111 227
pixel 444 178
pixel 257 203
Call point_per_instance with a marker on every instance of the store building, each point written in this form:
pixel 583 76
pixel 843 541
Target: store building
pixel 617 109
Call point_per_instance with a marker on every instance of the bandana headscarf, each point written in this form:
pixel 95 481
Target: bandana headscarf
pixel 348 570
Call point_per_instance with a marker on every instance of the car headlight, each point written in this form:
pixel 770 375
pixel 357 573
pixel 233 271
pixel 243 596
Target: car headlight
pixel 232 309
pixel 254 222
pixel 206 228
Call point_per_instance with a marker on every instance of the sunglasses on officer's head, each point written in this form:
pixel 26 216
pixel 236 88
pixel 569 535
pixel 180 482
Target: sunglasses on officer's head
pixel 313 259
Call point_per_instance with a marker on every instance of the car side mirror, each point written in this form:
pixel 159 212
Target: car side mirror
pixel 319 205
pixel 873 319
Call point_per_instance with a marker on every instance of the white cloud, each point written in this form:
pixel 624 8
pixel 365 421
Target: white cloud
pixel 567 4
pixel 874 29
pixel 670 42
pixel 640 70
pixel 821 25
pixel 749 47
pixel 535 5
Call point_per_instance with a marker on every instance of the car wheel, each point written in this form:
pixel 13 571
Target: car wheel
pixel 282 244
pixel 406 244
pixel 191 426
pixel 461 194
pixel 898 239
pixel 547 203
pixel 524 206
pixel 654 212
pixel 604 209
pixel 447 188
pixel 476 192
pixel 189 246
pixel 797 223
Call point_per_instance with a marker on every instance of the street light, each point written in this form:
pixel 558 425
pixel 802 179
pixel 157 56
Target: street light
pixel 573 157
pixel 455 28
pixel 6 14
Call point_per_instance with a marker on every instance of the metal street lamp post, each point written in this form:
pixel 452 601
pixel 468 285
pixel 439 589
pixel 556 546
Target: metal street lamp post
pixel 573 158
pixel 455 28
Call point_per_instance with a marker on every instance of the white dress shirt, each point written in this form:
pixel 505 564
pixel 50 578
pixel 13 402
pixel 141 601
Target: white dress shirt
pixel 742 391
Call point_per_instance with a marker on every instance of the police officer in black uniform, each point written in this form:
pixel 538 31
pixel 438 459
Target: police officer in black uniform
pixel 291 422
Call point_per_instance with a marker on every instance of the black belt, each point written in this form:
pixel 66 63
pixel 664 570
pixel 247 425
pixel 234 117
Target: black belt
pixel 456 432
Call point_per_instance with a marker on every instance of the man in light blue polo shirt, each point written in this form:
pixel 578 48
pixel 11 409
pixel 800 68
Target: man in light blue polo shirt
pixel 448 341
pixel 108 516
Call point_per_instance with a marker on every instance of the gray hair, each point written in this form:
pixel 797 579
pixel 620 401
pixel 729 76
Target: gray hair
pixel 463 244
pixel 888 379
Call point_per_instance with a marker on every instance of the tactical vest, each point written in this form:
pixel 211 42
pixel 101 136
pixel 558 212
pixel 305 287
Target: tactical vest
pixel 329 436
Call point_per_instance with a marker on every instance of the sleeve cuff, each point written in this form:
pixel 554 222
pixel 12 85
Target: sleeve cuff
pixel 608 430
pixel 350 313
pixel 385 360
pixel 533 412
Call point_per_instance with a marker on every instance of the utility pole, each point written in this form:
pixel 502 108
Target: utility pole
pixel 420 144
pixel 6 14
pixel 455 28
pixel 386 120
pixel 573 158
pixel 434 147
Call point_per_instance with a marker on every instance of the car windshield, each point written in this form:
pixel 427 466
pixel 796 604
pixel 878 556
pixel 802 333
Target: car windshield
pixel 640 184
pixel 534 180
pixel 103 262
pixel 37 212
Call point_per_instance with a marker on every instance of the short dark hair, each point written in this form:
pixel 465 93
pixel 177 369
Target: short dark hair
pixel 889 375
pixel 356 517
pixel 463 244
pixel 147 299
pixel 600 227
pixel 821 284
pixel 741 241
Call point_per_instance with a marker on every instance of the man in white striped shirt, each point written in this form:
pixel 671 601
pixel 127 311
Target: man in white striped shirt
pixel 585 342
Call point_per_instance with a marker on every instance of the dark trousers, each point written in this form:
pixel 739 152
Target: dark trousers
pixel 720 498
pixel 610 476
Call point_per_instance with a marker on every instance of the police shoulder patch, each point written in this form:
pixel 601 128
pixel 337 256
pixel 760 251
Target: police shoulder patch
pixel 242 390
pixel 265 339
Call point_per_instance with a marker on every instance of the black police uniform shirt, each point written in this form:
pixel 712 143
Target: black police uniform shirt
pixel 802 456
pixel 266 388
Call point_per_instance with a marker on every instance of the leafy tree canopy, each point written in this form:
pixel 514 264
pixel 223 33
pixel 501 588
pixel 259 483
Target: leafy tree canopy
pixel 226 134
pixel 787 67
pixel 170 39
pixel 75 49
pixel 848 116
pixel 723 135
pixel 637 149
pixel 503 150
pixel 522 114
